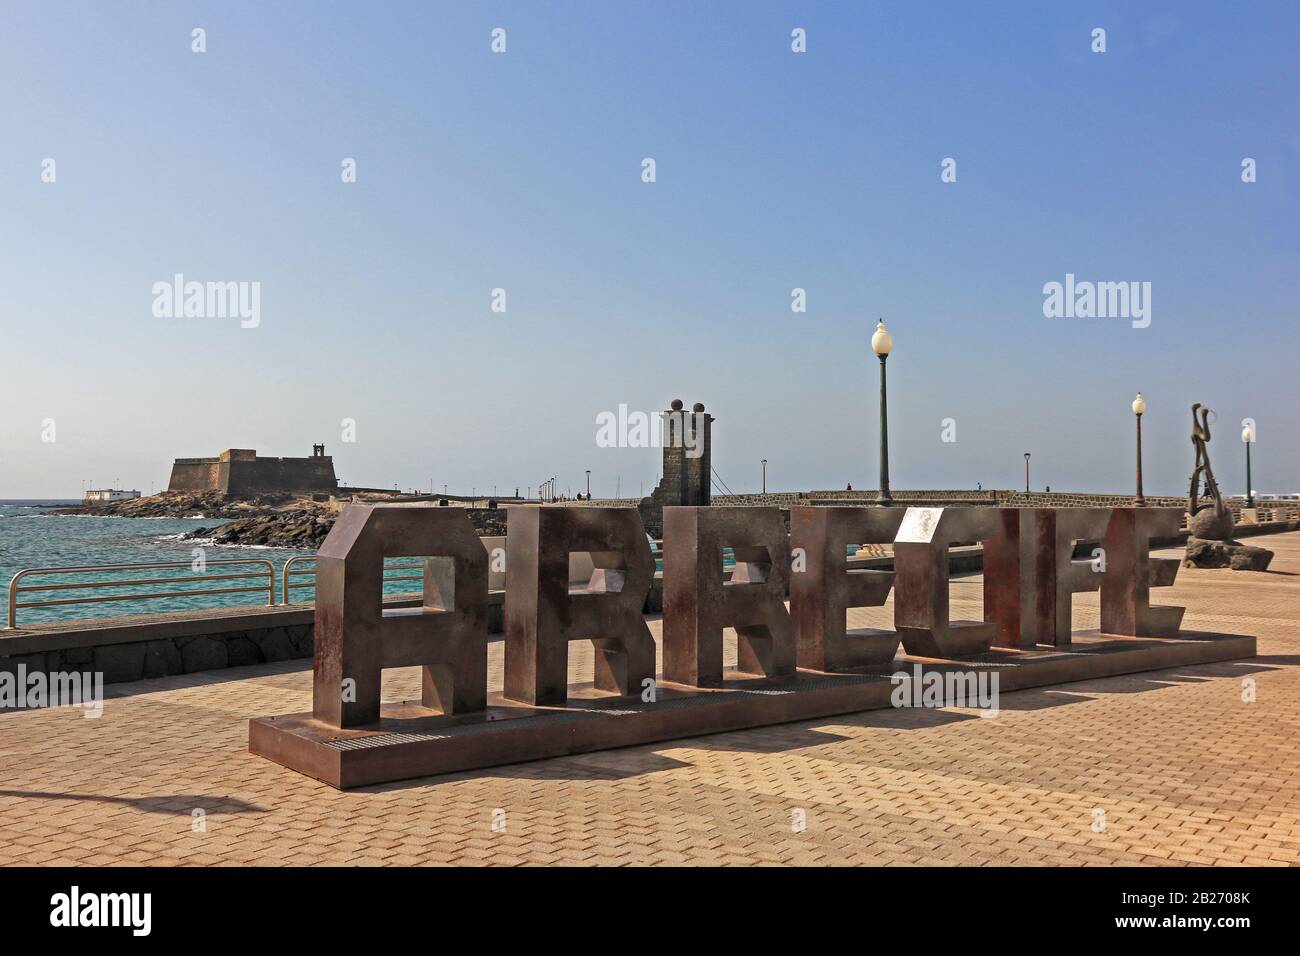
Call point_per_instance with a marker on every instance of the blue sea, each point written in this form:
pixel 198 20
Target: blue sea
pixel 31 537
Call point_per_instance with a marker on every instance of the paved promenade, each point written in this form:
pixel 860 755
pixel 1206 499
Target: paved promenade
pixel 1169 767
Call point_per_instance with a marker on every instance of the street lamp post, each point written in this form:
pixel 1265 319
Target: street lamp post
pixel 1026 472
pixel 1248 436
pixel 881 343
pixel 764 476
pixel 1139 406
pixel 588 484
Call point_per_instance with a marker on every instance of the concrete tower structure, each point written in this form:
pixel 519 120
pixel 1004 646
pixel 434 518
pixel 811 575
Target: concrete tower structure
pixel 687 442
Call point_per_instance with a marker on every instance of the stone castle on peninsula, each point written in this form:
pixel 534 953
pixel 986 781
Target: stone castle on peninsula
pixel 241 473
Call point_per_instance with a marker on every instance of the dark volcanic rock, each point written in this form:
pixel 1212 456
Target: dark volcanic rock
pixel 241 651
pixel 202 654
pixel 304 525
pixel 176 504
pixel 1211 524
pixel 275 645
pixel 120 662
pixel 1246 558
pixel 1225 554
pixel 162 659
pixel 305 528
pixel 281 529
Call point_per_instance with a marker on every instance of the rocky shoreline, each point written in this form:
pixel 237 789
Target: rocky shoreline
pixel 175 504
pixel 274 521
pixel 268 521
pixel 302 530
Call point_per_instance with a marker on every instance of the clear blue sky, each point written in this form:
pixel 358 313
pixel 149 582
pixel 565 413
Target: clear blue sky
pixel 523 171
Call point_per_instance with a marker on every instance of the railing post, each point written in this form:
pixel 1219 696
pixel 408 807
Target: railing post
pixel 12 615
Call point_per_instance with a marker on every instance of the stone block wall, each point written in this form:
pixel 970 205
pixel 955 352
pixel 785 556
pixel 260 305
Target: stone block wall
pixel 240 472
pixel 167 656
pixel 270 475
pixel 196 475
pixel 213 643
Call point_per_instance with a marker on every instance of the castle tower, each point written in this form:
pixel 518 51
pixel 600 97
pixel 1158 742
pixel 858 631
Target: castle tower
pixel 687 442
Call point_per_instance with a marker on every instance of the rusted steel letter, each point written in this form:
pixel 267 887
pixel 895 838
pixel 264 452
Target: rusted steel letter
pixel 1030 573
pixel 822 589
pixel 356 637
pixel 543 615
pixel 1131 572
pixel 698 604
pixel 921 582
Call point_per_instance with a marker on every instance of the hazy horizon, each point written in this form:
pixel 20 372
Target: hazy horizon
pixel 523 171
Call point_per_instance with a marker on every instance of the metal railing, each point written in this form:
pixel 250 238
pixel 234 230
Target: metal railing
pixel 265 572
pixel 286 584
pixel 288 571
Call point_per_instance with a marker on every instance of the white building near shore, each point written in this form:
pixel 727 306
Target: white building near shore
pixel 109 494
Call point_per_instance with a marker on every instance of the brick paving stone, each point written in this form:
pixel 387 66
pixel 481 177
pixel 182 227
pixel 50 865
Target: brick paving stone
pixel 1184 770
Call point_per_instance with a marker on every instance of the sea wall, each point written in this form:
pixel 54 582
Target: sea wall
pixel 162 645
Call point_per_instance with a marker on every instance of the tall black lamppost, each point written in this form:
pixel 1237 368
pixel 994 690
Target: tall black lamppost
pixel 1026 472
pixel 1139 406
pixel 881 343
pixel 764 476
pixel 1248 436
pixel 588 484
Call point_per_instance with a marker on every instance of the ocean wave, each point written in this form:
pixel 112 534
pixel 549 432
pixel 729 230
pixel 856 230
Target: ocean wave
pixel 214 543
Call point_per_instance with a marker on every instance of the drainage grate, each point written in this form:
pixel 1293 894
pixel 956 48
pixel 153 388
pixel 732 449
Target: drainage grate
pixel 381 740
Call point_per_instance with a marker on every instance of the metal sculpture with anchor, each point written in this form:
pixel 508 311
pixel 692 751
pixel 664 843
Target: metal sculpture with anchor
pixel 1210 543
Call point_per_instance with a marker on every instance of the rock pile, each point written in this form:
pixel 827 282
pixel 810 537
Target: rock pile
pixel 300 529
pixel 1210 544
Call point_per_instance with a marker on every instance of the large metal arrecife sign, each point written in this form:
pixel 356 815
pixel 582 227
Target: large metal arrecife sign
pixel 793 663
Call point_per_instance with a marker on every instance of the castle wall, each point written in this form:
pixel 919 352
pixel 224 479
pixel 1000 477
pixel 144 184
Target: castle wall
pixel 195 474
pixel 271 475
pixel 242 473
